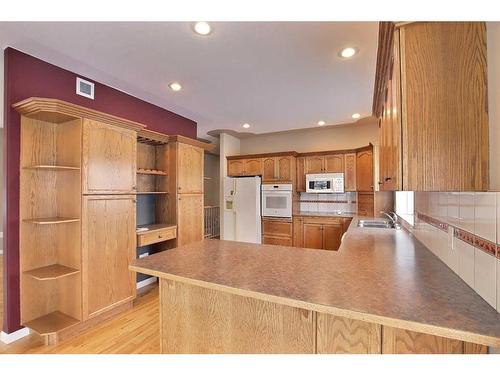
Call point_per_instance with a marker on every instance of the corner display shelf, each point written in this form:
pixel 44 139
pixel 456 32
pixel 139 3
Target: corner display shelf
pixel 50 195
pixel 52 168
pixel 51 323
pixel 52 220
pixel 52 272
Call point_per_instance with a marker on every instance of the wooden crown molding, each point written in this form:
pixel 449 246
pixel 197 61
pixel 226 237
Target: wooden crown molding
pixel 55 110
pixel 264 155
pixel 190 141
pixel 384 56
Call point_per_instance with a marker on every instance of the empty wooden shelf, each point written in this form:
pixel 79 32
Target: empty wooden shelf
pixel 53 167
pixel 52 272
pixel 151 171
pixel 51 323
pixel 52 220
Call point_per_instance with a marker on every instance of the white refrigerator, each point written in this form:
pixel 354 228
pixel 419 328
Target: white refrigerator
pixel 242 209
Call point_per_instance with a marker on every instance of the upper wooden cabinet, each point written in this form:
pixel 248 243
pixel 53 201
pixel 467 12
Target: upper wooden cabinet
pixel 244 167
pixel 108 159
pixel 301 174
pixel 269 169
pixel 350 172
pixel 364 170
pixel 315 164
pixel 329 163
pixel 431 97
pixel 190 161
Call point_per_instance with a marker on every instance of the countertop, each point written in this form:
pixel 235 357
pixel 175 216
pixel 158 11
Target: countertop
pixel 381 276
pixel 324 214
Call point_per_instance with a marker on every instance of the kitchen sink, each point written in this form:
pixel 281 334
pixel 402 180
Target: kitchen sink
pixel 376 224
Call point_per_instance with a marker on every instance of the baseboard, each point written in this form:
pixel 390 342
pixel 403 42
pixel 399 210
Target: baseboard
pixel 149 280
pixel 8 338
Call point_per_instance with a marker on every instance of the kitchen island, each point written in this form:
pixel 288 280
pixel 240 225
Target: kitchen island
pixel 382 292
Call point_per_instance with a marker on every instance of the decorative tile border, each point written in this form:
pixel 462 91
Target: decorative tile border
pixel 480 243
pixel 330 201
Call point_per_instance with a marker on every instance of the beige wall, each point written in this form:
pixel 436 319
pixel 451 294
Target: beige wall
pixel 493 30
pixel 212 183
pixel 317 139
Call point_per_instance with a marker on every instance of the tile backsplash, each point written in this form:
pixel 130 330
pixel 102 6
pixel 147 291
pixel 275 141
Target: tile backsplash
pixel 463 230
pixel 328 202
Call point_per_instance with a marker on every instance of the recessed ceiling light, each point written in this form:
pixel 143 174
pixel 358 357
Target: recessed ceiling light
pixel 246 126
pixel 348 52
pixel 175 86
pixel 356 115
pixel 321 123
pixel 202 28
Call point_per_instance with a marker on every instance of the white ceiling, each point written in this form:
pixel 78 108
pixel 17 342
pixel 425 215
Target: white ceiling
pixel 274 75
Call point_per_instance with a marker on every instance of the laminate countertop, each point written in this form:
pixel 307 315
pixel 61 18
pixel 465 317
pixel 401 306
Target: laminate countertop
pixel 380 276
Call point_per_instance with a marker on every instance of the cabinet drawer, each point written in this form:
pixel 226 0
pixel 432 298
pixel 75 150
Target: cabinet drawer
pixel 271 240
pixel 322 220
pixel 277 228
pixel 158 235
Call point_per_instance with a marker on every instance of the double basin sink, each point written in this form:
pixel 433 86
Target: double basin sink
pixel 381 224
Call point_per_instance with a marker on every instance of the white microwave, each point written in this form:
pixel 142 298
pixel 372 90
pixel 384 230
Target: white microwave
pixel 325 183
pixel 277 200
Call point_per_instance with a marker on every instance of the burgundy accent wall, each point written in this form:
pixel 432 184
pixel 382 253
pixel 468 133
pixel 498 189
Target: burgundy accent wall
pixel 26 76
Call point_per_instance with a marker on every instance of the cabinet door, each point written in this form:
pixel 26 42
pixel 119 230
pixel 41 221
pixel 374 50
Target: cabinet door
pixel 334 163
pixel 252 167
pixel 189 169
pixel 284 168
pixel 269 169
pixel 297 231
pixel 109 159
pixel 332 235
pixel 108 247
pixel 276 240
pixel 366 204
pixel 364 170
pixel 313 236
pixel 190 218
pixel 350 172
pixel 301 174
pixel 314 164
pixel 235 167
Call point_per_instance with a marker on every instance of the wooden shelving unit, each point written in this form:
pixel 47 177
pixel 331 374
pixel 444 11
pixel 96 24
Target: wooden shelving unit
pixel 50 230
pixel 52 272
pixel 52 220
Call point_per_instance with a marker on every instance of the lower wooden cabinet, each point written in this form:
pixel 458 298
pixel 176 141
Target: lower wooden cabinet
pixel 190 218
pixel 108 247
pixel 366 204
pixel 323 232
pixel 277 231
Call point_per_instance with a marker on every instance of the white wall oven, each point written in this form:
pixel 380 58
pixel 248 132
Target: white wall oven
pixel 277 200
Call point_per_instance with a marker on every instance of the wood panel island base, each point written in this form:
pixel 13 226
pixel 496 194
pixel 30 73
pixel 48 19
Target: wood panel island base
pixel 382 292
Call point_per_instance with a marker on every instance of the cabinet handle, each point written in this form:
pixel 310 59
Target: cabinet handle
pixel 380 183
pixel 179 198
pixel 387 179
pixel 134 187
pixel 179 188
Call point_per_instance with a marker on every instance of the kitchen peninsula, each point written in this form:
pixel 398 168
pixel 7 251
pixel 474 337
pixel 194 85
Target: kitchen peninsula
pixel 382 292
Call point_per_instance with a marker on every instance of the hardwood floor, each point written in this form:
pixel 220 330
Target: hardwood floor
pixel 133 332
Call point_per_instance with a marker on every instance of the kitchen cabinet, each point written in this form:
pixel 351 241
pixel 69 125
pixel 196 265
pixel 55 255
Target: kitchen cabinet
pixel 277 231
pixel 366 204
pixel 280 169
pixel 235 168
pixel 108 158
pixel 108 247
pixel 190 217
pixel 190 162
pixel 244 167
pixel 329 163
pixel 321 232
pixel 301 174
pixel 364 170
pixel 350 172
pixel 431 98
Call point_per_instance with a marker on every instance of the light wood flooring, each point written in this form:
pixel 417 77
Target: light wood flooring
pixel 135 331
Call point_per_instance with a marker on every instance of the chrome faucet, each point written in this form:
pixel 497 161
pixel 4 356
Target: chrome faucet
pixel 393 217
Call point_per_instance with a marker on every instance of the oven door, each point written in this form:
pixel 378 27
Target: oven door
pixel 277 203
